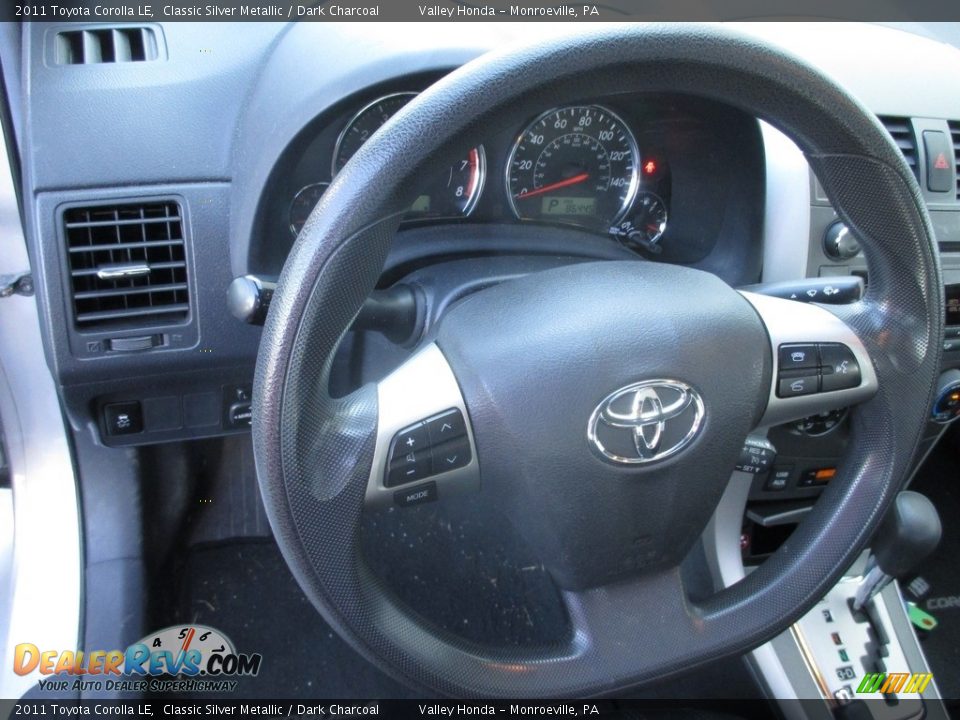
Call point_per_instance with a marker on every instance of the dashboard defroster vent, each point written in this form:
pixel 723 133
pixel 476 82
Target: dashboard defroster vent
pixel 127 264
pixel 955 135
pixel 901 131
pixel 105 45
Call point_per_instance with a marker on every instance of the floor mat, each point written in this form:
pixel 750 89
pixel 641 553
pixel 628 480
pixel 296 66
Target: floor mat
pixel 244 589
pixel 936 587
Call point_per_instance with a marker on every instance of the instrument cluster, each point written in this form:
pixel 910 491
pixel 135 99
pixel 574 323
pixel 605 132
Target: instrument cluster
pixel 660 174
pixel 575 165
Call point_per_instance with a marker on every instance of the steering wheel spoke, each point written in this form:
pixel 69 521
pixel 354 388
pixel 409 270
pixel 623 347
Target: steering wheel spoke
pixel 425 448
pixel 819 361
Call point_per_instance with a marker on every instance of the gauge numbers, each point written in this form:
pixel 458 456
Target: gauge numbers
pixel 577 165
pixel 452 193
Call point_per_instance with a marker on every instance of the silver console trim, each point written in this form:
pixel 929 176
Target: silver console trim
pixel 721 541
pixel 786 221
pixel 780 664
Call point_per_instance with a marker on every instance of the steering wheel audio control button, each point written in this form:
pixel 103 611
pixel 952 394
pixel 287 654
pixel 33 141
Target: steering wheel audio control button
pixel 840 369
pixel 416 495
pixel 408 468
pixel 409 440
pixel 798 357
pixel 446 426
pixel 451 455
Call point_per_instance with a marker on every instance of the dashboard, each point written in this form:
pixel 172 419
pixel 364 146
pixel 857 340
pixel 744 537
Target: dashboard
pixel 147 188
pixel 219 161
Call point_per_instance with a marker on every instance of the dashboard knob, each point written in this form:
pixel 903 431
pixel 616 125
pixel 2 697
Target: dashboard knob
pixel 839 243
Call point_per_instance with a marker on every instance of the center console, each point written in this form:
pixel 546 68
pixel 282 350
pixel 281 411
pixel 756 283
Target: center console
pixel 831 659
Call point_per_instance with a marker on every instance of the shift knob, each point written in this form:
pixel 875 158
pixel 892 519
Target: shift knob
pixel 909 532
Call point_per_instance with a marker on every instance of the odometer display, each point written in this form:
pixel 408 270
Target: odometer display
pixel 577 165
pixel 570 206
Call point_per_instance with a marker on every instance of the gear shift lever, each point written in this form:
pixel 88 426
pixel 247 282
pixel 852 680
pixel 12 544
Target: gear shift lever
pixel 908 534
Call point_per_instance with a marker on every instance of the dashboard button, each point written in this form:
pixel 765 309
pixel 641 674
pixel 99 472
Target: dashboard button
pixel 779 479
pixel 123 418
pixel 446 426
pixel 798 357
pixel 840 370
pixel 451 455
pixel 940 161
pixel 816 477
pixel 797 386
pixel 412 439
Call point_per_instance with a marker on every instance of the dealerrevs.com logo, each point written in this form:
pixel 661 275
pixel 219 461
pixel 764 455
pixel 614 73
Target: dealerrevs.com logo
pixel 180 658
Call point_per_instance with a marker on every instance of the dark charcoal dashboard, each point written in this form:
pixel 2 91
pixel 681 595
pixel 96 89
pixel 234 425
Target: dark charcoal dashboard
pixel 175 177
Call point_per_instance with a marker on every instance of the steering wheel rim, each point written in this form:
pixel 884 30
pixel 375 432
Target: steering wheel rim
pixel 314 453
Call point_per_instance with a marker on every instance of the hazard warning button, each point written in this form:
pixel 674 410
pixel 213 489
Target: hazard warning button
pixel 939 161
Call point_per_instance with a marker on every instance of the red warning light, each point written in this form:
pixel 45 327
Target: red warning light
pixel 941 163
pixel 650 167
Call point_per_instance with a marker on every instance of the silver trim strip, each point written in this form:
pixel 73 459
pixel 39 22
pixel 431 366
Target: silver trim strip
pixel 786 222
pixel 783 518
pixel 42 602
pixel 721 541
pixel 122 271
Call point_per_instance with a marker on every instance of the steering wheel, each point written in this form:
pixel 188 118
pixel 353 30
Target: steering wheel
pixel 602 406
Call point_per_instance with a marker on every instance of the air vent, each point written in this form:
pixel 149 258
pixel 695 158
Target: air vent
pixel 901 131
pixel 955 134
pixel 105 45
pixel 127 264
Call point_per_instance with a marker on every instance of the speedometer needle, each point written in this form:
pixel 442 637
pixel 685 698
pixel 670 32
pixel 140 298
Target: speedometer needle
pixel 554 186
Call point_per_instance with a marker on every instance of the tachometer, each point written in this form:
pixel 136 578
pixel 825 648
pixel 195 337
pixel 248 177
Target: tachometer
pixel 364 124
pixel 450 194
pixel 575 165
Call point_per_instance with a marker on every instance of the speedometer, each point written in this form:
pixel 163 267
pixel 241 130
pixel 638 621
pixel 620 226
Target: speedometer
pixel 575 165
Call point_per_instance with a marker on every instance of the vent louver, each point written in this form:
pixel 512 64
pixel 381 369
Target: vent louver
pixel 105 45
pixel 955 134
pixel 901 131
pixel 127 264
